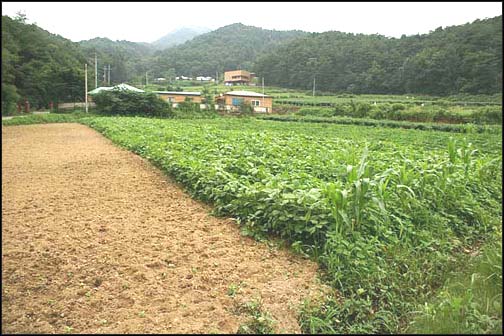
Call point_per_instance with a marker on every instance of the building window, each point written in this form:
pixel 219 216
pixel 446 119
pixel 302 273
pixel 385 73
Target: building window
pixel 237 101
pixel 256 103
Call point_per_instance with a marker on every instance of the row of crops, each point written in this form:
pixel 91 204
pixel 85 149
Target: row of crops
pixel 386 212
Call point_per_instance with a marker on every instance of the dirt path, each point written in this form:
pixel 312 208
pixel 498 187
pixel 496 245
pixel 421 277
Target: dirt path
pixel 96 240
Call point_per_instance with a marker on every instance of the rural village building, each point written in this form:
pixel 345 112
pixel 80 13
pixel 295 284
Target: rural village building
pixel 204 79
pixel 237 77
pixel 231 101
pixel 175 97
pixel 122 86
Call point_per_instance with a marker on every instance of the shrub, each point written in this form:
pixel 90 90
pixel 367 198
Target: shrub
pixel 341 109
pixel 120 102
pixel 188 106
pixel 246 109
pixel 9 99
pixel 488 114
pixel 398 107
pixel 359 109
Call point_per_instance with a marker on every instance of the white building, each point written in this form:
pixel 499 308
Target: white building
pixel 122 86
pixel 202 78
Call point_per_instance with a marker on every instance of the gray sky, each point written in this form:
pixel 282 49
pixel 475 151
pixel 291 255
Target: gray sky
pixel 148 21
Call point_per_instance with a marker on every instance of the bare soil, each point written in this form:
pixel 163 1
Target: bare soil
pixel 97 240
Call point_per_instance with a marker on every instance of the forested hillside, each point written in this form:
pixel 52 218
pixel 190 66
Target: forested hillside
pixel 38 65
pixel 231 47
pixel 128 60
pixel 458 59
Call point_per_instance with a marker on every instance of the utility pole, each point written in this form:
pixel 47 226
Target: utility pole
pixel 146 79
pixel 85 84
pixel 95 71
pixel 263 91
pixel 104 75
pixel 311 61
pixel 109 74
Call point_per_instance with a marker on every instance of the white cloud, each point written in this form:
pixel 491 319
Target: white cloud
pixel 148 21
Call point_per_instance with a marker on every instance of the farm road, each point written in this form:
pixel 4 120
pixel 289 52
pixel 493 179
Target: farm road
pixel 97 240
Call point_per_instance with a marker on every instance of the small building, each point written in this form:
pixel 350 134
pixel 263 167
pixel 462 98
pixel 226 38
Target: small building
pixel 237 77
pixel 175 97
pixel 204 79
pixel 100 89
pixel 126 87
pixel 122 86
pixel 231 101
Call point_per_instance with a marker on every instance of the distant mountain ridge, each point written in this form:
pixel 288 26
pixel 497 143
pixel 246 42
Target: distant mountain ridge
pixel 178 36
pixel 230 47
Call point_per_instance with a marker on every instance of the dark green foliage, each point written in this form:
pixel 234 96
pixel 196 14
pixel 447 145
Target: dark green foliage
pixel 458 59
pixel 39 66
pixel 127 103
pixel 10 98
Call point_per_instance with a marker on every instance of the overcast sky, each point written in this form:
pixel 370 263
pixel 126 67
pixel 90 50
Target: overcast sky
pixel 148 21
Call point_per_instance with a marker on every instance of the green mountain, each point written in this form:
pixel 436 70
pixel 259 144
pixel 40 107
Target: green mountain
pixel 127 60
pixel 230 47
pixel 177 37
pixel 38 65
pixel 458 59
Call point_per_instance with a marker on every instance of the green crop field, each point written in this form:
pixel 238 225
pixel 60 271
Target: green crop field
pixel 386 212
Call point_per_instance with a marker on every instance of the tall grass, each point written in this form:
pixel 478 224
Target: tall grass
pixel 470 301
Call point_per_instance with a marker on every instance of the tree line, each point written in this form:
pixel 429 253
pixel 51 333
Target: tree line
pixel 458 59
pixel 38 66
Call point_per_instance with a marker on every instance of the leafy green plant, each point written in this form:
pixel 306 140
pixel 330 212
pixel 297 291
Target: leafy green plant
pixel 122 102
pixel 260 321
